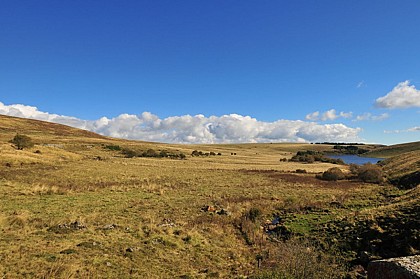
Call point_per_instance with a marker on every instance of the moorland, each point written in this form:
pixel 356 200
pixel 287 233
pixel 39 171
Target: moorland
pixel 75 204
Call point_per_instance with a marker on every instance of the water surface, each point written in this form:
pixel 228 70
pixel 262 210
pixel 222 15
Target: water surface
pixel 354 159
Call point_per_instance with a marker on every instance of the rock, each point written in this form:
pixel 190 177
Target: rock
pixel 130 249
pixel 109 227
pixel 395 268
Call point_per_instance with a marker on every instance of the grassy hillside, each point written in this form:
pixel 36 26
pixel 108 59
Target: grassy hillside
pixel 41 130
pixel 403 164
pixel 403 170
pixel 394 150
pixel 74 208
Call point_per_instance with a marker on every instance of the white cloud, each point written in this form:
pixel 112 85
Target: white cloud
pixel 361 84
pixel 314 116
pixel 230 128
pixel 370 117
pixel 328 115
pixel 414 129
pixel 403 95
pixel 346 114
pixel 409 130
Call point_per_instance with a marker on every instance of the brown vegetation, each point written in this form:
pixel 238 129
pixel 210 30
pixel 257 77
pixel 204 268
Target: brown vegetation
pixel 67 214
pixel 368 173
pixel 333 174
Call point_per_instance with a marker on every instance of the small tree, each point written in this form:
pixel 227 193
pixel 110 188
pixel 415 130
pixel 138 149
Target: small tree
pixel 22 141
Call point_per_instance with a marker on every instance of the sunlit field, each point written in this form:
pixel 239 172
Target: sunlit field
pixel 73 208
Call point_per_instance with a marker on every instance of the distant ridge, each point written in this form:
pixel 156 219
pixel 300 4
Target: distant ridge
pixel 10 125
pixel 394 150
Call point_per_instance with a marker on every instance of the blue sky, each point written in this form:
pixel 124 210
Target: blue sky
pixel 270 60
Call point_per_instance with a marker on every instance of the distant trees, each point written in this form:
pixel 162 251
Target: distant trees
pixel 151 153
pixel 311 156
pixel 22 141
pixel 197 153
pixel 350 149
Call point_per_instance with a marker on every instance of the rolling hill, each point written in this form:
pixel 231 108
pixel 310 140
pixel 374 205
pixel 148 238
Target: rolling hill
pixel 394 150
pixel 75 206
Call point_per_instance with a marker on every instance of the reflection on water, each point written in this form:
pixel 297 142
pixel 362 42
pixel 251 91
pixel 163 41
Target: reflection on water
pixel 354 159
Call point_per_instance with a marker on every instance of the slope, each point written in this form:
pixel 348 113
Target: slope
pixel 394 150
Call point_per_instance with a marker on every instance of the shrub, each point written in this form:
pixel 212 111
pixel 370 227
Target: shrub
pixel 22 141
pixel 300 171
pixel 113 147
pixel 354 169
pixel 333 174
pixel 129 153
pixel 253 214
pixel 197 153
pixel 371 173
pixel 300 259
pixel 150 153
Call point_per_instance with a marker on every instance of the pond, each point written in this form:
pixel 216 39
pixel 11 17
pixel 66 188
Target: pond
pixel 354 159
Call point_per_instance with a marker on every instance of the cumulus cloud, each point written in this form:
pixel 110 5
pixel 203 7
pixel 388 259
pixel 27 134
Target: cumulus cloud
pixel 346 114
pixel 403 95
pixel 314 116
pixel 370 117
pixel 327 115
pixel 232 128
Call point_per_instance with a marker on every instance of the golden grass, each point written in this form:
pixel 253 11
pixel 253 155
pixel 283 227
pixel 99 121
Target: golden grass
pixel 394 150
pixel 402 164
pixel 143 217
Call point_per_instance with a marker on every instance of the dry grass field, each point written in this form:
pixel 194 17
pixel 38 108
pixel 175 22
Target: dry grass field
pixel 73 208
